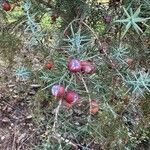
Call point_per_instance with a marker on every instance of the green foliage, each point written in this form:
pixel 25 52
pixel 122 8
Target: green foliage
pixel 132 20
pixel 100 81
pixel 120 54
pixel 140 82
pixel 70 10
pixel 22 73
pixel 77 42
pixel 32 25
pixel 15 14
pixel 10 44
pixel 46 21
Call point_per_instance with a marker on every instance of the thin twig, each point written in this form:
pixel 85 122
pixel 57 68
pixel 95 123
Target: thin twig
pixel 87 91
pixel 56 116
pixel 14 140
pixel 57 135
pixel 68 142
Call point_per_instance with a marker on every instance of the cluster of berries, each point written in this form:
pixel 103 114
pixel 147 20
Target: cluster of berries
pixel 71 96
pixel 74 66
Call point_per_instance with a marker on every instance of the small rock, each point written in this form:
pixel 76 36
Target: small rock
pixel 16 97
pixel 21 138
pixel 10 90
pixel 4 108
pixel 9 128
pixel 22 104
pixel 32 92
pixel 2 138
pixel 15 117
pixel 9 109
pixel 6 120
pixel 29 117
pixel 15 91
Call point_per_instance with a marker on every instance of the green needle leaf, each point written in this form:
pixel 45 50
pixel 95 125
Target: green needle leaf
pixel 137 28
pixel 126 29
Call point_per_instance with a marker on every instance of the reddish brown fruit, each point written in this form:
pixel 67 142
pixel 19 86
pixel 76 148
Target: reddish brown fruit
pixel 54 17
pixel 74 65
pixel 93 107
pixel 107 19
pixel 6 6
pixel 58 90
pixel 72 97
pixel 111 65
pixel 49 65
pixel 104 48
pixel 126 99
pixel 87 67
pixel 129 61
